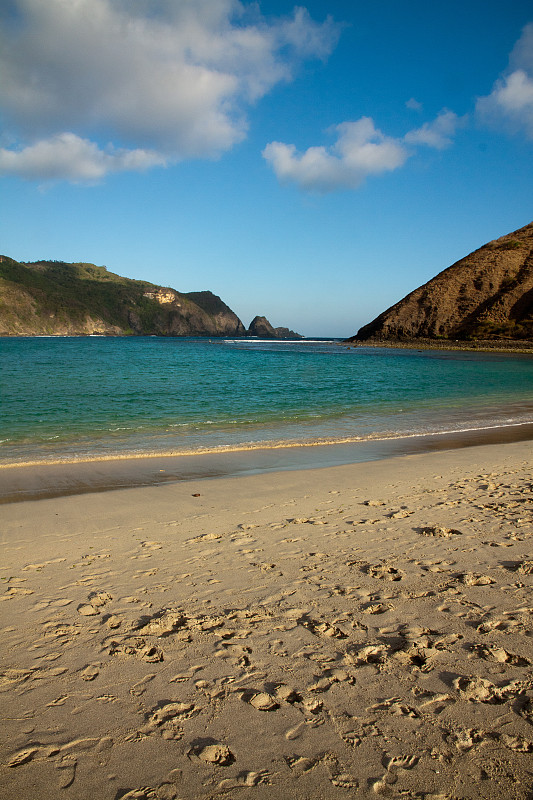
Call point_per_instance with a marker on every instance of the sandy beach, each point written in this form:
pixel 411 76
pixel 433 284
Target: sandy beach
pixel 353 631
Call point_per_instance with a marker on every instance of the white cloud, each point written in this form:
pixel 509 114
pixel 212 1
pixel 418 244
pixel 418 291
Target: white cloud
pixel 511 100
pixel 361 150
pixel 156 75
pixel 67 156
pixel 437 134
pixel 413 104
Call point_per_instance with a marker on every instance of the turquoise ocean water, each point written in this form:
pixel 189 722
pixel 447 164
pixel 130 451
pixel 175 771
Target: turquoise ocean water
pixel 91 397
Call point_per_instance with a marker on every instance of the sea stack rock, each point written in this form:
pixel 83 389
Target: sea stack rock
pixel 262 328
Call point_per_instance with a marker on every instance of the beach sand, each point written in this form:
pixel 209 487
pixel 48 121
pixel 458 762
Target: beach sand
pixel 353 631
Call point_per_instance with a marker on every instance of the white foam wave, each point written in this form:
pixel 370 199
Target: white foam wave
pixel 280 341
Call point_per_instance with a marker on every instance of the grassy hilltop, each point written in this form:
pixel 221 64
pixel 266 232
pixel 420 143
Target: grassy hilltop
pixel 56 298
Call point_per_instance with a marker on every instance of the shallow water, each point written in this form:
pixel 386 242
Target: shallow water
pixel 92 397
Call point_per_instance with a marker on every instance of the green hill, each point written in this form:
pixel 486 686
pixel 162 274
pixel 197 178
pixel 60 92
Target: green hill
pixel 56 298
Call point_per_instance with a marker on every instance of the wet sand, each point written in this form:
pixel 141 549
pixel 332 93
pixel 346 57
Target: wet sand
pixel 347 632
pixel 56 479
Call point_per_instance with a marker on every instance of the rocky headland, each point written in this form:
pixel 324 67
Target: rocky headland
pixel 485 297
pixel 55 298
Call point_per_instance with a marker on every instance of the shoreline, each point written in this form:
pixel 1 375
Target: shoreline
pixel 362 629
pixel 517 346
pixel 39 480
pixel 478 346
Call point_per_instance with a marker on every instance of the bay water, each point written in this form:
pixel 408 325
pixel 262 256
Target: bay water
pixel 83 398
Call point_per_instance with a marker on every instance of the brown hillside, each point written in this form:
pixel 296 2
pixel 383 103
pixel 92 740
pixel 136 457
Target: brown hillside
pixel 488 294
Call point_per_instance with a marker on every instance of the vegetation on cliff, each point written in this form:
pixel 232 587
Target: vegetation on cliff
pixel 54 298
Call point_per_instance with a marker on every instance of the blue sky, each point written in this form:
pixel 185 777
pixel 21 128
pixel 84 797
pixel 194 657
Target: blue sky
pixel 312 163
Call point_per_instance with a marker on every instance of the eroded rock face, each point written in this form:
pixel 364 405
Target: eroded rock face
pixel 163 296
pixel 224 320
pixel 488 294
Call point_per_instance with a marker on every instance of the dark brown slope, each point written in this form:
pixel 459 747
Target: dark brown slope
pixel 488 294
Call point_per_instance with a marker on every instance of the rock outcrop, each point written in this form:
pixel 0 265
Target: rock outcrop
pixel 262 328
pixel 487 295
pixel 55 298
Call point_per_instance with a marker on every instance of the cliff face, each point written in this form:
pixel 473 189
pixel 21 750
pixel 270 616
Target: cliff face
pixel 488 294
pixel 55 298
pixel 226 322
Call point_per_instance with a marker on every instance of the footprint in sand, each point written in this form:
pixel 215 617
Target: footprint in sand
pixel 165 791
pixel 96 601
pixel 301 764
pixel 162 623
pixel 90 672
pixel 439 531
pixel 312 705
pixel 140 687
pixel 499 654
pixel 343 780
pixel 369 654
pixel 296 731
pixel 322 628
pixel 402 513
pixel 465 739
pixel 211 752
pixel 403 762
pixel 136 647
pixel 286 694
pixel 352 738
pixel 67 765
pixel 375 608
pixel 383 572
pixel 331 676
pixel 477 690
pixel 475 579
pixel 205 537
pixel 14 591
pixel 23 756
pixel 492 625
pixel 244 779
pixel 262 701
pixel 517 743
pixel 167 718
pixel 396 707
pixel 39 567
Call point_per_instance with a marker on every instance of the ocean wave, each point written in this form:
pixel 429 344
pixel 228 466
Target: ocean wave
pixel 149 449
